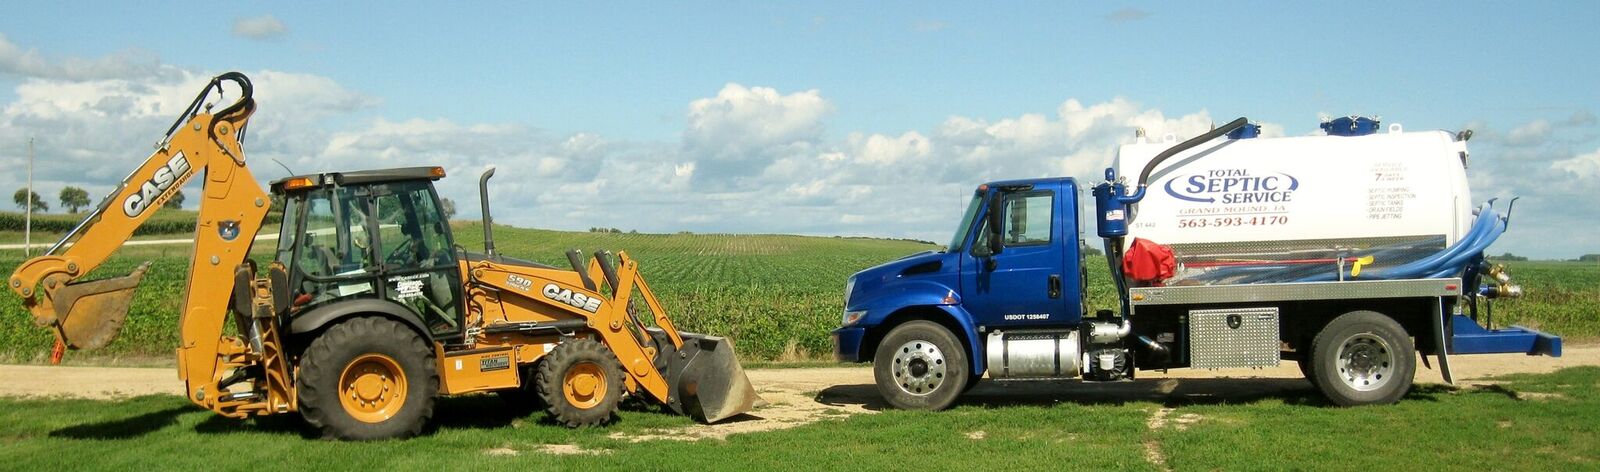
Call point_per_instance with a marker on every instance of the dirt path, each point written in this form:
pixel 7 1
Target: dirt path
pixel 800 396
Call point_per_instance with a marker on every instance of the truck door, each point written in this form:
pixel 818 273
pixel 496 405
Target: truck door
pixel 1026 283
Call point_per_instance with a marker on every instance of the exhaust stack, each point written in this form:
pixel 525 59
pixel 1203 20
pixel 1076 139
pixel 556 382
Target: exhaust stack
pixel 488 221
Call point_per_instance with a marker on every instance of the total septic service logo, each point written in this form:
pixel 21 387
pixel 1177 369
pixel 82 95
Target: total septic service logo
pixel 1233 186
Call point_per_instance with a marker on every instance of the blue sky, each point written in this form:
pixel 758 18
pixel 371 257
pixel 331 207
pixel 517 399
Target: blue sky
pixel 797 102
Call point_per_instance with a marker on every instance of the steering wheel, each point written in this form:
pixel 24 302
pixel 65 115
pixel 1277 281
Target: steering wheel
pixel 403 254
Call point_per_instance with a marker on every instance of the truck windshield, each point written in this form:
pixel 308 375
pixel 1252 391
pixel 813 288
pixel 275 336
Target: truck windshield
pixel 966 224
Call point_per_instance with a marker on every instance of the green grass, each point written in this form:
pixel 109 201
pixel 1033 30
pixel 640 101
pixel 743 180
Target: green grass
pixel 1433 428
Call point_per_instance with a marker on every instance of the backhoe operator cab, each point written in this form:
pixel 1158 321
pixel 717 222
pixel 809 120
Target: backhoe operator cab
pixel 378 236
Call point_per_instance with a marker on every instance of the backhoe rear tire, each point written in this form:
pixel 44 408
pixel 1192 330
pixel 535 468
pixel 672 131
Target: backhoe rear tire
pixel 581 383
pixel 367 378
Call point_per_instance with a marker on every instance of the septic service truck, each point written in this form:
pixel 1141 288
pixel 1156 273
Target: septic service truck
pixel 1349 253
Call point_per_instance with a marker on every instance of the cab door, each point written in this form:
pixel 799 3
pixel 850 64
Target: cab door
pixel 1025 282
pixel 416 263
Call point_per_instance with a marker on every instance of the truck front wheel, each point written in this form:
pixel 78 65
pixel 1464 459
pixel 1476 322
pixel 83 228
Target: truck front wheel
pixel 1363 358
pixel 920 365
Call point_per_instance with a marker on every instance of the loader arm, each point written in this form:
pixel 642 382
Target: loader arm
pixel 693 374
pixel 87 314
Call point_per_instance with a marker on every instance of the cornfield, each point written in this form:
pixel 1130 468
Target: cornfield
pixel 774 295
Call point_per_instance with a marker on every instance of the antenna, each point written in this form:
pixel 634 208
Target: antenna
pixel 285 168
pixel 27 201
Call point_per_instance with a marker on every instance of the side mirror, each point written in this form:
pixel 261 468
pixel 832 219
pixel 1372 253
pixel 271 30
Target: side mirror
pixel 993 224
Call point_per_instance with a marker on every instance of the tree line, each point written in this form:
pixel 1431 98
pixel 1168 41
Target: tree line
pixel 73 199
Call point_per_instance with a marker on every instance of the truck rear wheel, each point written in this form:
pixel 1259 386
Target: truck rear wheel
pixel 367 378
pixel 581 383
pixel 1363 358
pixel 1304 361
pixel 920 365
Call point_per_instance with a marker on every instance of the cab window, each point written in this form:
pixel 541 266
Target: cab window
pixel 1026 220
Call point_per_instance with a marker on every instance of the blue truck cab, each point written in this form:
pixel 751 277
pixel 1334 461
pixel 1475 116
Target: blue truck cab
pixel 1034 280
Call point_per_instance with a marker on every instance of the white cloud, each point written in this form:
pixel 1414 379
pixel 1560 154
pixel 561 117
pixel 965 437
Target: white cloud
pixel 259 27
pixel 750 158
pixel 1586 166
pixel 29 63
pixel 1127 15
pixel 1531 134
pixel 743 128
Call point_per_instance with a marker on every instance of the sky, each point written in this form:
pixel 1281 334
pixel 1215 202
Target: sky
pixel 844 118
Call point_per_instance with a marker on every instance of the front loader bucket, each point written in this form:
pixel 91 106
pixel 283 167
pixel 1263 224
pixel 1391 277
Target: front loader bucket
pixel 90 314
pixel 706 381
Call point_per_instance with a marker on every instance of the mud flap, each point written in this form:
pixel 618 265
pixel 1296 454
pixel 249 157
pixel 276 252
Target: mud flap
pixel 90 314
pixel 1441 344
pixel 705 380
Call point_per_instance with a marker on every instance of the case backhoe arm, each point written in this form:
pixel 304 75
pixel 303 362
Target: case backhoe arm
pixel 88 314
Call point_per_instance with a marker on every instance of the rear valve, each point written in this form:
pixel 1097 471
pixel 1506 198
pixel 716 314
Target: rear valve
pixel 1502 286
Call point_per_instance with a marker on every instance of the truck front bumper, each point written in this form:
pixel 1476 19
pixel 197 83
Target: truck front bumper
pixel 847 344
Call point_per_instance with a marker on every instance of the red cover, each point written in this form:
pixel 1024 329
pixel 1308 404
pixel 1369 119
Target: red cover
pixel 1148 263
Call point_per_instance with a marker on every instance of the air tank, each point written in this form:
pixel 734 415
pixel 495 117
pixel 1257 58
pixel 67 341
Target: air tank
pixel 1272 209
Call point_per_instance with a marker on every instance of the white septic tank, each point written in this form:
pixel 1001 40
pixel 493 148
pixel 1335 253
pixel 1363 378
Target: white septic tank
pixel 1268 209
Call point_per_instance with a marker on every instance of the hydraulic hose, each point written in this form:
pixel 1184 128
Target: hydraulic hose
pixel 1144 175
pixel 1485 230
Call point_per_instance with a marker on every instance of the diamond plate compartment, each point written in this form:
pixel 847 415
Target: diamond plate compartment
pixel 1233 337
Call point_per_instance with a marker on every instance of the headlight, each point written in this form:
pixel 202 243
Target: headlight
pixel 849 287
pixel 851 317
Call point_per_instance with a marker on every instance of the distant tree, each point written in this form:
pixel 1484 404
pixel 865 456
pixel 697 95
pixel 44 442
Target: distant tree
pixel 1589 258
pixel 21 198
pixel 1088 250
pixel 176 202
pixel 449 208
pixel 1508 257
pixel 74 198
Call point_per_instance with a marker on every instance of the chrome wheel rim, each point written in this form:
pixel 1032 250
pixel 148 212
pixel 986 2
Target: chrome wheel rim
pixel 1366 362
pixel 919 367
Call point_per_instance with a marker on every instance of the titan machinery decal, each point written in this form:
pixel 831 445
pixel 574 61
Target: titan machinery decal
pixel 1233 197
pixel 581 301
pixel 168 175
pixel 493 363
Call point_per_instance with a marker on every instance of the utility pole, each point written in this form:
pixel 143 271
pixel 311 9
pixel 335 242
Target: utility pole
pixel 27 221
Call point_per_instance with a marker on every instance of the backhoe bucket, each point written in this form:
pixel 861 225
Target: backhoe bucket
pixel 90 314
pixel 706 381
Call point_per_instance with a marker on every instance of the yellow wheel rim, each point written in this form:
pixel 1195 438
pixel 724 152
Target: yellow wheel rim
pixel 584 385
pixel 372 388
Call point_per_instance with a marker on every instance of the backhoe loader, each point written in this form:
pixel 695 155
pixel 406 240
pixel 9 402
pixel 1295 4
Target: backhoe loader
pixel 368 309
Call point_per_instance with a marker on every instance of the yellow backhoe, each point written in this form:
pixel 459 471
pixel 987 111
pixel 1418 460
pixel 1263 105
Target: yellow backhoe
pixel 368 310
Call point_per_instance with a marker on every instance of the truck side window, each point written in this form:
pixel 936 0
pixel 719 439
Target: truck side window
pixel 1027 218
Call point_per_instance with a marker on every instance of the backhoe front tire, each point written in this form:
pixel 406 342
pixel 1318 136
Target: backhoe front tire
pixel 581 383
pixel 920 365
pixel 367 378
